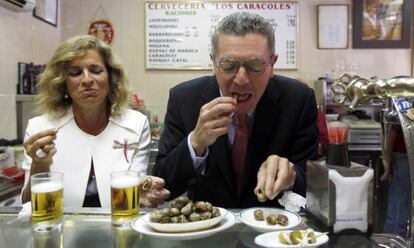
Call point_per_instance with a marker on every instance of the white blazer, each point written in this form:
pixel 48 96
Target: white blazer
pixel 76 149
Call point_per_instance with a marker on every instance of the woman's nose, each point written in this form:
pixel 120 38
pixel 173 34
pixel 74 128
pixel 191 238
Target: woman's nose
pixel 86 77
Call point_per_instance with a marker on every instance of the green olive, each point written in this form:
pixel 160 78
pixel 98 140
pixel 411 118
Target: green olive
pixel 283 238
pixel 296 237
pixel 311 237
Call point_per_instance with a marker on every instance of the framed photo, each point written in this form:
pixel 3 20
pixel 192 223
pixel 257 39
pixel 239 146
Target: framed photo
pixel 382 23
pixel 47 11
pixel 333 26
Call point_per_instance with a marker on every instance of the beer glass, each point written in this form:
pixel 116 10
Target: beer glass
pixel 47 201
pixel 52 239
pixel 124 197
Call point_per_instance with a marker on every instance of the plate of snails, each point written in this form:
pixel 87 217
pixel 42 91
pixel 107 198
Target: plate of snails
pixel 184 215
pixel 264 219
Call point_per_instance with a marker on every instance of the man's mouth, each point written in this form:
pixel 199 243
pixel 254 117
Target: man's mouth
pixel 241 97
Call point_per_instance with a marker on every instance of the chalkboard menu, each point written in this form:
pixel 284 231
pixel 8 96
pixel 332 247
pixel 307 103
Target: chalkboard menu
pixel 178 33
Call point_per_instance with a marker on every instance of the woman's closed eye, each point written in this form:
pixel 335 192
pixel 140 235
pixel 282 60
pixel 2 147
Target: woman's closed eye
pixel 77 71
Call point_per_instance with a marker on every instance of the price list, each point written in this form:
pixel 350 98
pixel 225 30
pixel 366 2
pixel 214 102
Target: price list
pixel 178 34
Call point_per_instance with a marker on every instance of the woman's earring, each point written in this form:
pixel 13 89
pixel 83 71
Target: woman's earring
pixel 66 96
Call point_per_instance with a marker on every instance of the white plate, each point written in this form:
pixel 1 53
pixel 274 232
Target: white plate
pixel 185 227
pixel 141 226
pixel 271 240
pixel 247 217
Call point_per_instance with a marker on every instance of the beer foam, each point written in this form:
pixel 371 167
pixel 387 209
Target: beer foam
pixel 46 187
pixel 124 182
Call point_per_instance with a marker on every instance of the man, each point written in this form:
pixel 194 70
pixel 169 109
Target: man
pixel 202 150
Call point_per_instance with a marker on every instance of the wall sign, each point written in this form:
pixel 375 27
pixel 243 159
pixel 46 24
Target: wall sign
pixel 178 33
pixel 102 29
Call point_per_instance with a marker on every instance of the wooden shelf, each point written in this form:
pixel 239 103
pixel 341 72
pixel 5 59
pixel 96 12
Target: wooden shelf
pixel 24 98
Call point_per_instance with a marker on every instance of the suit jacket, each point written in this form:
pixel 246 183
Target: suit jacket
pixel 285 124
pixel 76 149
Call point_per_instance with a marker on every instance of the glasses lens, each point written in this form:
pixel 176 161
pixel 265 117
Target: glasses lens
pixel 229 67
pixel 254 67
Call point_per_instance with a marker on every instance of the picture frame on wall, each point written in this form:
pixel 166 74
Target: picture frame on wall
pixel 333 26
pixel 47 11
pixel 382 23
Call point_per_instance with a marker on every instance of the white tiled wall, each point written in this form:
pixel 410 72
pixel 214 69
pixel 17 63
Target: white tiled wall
pixel 24 39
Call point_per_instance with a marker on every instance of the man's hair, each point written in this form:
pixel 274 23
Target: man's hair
pixel 240 24
pixel 52 83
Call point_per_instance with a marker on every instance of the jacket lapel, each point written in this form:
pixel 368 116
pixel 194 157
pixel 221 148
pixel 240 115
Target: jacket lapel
pixel 266 115
pixel 219 150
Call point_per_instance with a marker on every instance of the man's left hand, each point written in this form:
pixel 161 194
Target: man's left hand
pixel 275 175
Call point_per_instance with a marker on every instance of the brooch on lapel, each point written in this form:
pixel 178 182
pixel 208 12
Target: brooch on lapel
pixel 125 146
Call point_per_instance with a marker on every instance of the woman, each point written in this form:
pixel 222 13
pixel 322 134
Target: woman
pixel 86 130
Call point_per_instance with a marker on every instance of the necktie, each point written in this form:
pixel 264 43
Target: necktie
pixel 239 147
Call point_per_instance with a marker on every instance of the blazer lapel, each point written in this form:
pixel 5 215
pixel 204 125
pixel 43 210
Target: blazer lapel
pixel 219 150
pixel 266 115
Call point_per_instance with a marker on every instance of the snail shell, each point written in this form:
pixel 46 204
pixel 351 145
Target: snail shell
pixel 155 216
pixel 194 217
pixel 261 197
pixel 216 212
pixel 206 215
pixel 186 210
pixel 174 212
pixel 282 220
pixel 199 206
pixel 182 219
pixel 147 183
pixel 258 214
pixel 271 220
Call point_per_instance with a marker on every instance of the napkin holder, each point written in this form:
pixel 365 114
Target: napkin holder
pixel 340 197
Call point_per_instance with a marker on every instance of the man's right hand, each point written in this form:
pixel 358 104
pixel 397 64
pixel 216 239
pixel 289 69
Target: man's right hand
pixel 213 121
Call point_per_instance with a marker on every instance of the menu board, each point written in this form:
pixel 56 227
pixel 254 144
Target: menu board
pixel 178 34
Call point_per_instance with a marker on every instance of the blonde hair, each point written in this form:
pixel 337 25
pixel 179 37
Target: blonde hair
pixel 52 83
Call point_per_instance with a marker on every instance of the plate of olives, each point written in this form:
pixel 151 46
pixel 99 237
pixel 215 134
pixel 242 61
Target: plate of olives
pixel 294 238
pixel 264 219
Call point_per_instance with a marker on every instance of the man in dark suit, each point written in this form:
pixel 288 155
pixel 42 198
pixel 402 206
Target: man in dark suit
pixel 204 151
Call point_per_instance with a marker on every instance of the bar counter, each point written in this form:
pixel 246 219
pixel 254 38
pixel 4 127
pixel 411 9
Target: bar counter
pixel 92 228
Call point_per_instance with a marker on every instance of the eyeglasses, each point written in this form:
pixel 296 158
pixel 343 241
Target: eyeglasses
pixel 253 67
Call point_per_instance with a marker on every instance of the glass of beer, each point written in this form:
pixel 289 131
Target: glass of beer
pixel 124 197
pixel 47 201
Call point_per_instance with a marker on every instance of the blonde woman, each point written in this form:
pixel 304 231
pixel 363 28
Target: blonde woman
pixel 86 130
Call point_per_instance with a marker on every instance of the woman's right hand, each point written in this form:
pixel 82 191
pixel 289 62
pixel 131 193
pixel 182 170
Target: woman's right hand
pixel 42 141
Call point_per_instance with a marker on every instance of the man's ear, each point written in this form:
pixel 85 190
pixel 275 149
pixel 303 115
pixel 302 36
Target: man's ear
pixel 214 65
pixel 274 59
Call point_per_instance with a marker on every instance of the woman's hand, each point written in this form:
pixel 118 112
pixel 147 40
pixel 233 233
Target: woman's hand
pixel 40 148
pixel 155 195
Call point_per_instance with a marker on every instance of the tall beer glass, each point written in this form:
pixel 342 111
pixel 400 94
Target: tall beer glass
pixel 124 197
pixel 47 201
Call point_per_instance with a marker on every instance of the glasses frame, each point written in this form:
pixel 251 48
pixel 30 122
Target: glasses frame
pixel 240 64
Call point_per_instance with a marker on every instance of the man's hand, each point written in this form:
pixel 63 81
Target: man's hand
pixel 155 195
pixel 275 174
pixel 213 121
